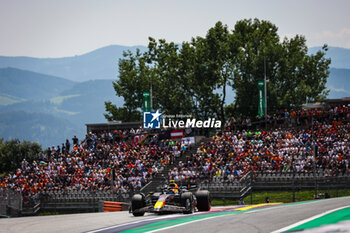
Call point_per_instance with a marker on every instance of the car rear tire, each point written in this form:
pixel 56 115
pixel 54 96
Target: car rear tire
pixel 137 202
pixel 203 200
pixel 187 202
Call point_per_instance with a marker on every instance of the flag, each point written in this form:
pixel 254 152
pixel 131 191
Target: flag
pixel 177 134
pixel 261 104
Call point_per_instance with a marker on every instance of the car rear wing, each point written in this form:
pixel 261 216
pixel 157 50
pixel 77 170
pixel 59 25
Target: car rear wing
pixel 190 187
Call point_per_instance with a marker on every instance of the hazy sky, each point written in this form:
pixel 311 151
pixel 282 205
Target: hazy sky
pixel 58 28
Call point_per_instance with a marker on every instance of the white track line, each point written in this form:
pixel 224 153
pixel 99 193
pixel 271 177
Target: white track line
pixel 308 219
pixel 128 223
pixel 181 224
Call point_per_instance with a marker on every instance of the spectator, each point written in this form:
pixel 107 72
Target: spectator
pixel 75 140
pixel 67 145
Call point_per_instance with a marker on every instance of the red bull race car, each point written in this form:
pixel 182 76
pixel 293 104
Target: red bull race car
pixel 171 199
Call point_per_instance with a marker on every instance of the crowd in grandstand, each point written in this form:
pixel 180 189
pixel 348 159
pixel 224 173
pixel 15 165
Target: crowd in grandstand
pixel 105 161
pixel 232 154
pixel 291 118
pixel 115 161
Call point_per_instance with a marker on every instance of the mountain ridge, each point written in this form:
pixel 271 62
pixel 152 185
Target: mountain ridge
pixel 31 85
pixel 101 63
pixel 42 97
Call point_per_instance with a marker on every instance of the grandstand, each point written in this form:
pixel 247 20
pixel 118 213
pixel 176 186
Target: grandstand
pixel 296 150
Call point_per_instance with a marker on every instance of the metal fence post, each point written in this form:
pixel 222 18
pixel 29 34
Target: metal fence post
pixel 251 187
pixel 293 184
pixel 315 148
pixel 337 184
pixel 100 206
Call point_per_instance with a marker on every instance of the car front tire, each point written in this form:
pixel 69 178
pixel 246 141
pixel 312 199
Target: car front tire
pixel 137 202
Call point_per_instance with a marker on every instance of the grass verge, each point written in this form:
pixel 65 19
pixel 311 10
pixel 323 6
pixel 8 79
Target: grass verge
pixel 281 196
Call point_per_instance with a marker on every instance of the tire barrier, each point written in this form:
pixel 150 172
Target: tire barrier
pixel 110 206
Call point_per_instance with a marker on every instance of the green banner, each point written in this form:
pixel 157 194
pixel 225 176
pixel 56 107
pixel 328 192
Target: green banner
pixel 146 105
pixel 261 105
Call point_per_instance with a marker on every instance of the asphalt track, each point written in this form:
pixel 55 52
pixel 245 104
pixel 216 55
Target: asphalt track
pixel 258 219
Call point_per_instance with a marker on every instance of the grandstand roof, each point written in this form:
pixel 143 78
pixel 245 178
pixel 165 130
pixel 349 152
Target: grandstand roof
pixel 112 125
pixel 344 100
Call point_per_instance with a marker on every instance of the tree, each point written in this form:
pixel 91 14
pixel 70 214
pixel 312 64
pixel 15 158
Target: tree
pixel 193 78
pixel 170 69
pixel 122 114
pixel 257 41
pixel 181 84
pixel 294 76
pixel 302 77
pixel 185 79
pixel 134 78
pixel 221 49
pixel 13 152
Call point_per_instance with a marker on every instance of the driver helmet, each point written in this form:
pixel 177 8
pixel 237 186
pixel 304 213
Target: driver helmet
pixel 173 188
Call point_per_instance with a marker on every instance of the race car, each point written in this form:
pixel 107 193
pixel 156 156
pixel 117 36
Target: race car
pixel 171 199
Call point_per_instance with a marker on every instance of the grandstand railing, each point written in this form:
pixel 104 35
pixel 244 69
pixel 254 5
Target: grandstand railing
pixel 277 181
pixel 58 200
pixel 10 203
